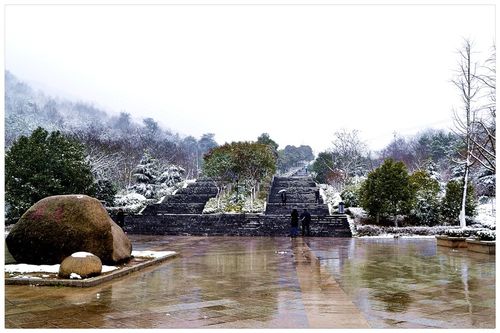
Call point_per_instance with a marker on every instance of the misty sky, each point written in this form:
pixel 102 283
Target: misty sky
pixel 298 72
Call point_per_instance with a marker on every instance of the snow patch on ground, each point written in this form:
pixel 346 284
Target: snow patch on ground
pixel 75 276
pixel 27 268
pixel 106 269
pixel 152 254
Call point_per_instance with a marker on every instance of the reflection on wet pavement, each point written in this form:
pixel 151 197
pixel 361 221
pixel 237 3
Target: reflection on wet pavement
pixel 412 283
pixel 243 282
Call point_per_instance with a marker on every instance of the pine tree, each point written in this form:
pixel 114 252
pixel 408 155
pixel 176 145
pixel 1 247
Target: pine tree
pixel 145 175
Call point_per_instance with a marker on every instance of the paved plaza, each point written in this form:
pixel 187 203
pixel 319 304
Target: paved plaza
pixel 276 282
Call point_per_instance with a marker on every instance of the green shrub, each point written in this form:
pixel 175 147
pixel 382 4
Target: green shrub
pixel 42 165
pixel 451 204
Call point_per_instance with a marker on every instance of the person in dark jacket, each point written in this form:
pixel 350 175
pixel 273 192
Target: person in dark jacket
pixel 120 218
pixel 316 195
pixel 283 198
pixel 305 218
pixel 294 231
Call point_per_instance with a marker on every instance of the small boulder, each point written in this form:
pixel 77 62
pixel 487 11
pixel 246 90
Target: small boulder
pixel 57 226
pixel 83 264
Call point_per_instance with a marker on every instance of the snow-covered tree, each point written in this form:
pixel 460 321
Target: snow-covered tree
pixel 154 179
pixel 425 206
pixel 484 142
pixel 468 84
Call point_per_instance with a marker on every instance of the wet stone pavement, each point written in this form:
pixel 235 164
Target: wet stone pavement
pixel 266 282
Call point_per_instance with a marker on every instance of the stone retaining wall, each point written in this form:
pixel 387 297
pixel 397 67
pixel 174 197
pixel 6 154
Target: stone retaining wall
pixel 231 225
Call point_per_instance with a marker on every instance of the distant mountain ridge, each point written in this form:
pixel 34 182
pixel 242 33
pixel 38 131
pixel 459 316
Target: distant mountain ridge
pixel 27 108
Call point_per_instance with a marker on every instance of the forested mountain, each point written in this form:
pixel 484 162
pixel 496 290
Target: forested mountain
pixel 114 144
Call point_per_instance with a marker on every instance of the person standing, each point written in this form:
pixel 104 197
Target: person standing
pixel 283 198
pixel 305 218
pixel 120 218
pixel 294 231
pixel 316 194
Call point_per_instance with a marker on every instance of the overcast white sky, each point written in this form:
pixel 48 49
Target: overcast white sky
pixel 298 72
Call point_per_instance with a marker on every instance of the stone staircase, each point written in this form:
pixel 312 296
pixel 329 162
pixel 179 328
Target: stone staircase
pixel 300 193
pixel 189 200
pixel 302 172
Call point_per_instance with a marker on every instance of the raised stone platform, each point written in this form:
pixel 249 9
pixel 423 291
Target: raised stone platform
pixel 181 214
pixel 128 268
pixel 232 225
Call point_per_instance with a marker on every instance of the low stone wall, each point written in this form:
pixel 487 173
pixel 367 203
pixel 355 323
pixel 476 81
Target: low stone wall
pixel 487 247
pixel 231 225
pixel 453 242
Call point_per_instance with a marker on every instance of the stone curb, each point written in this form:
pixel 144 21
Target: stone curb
pixel 91 282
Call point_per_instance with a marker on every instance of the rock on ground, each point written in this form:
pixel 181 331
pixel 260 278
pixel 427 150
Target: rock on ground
pixel 58 226
pixel 82 263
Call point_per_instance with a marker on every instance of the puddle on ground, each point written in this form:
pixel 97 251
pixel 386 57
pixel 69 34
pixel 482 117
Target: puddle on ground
pixel 245 282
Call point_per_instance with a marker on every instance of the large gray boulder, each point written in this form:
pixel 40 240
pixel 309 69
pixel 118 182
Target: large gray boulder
pixel 57 226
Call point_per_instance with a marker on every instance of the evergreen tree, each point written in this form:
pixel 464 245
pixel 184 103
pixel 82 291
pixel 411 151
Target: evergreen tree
pixel 264 138
pixel 387 191
pixel 451 203
pixel 106 191
pixel 323 167
pixel 426 199
pixel 43 165
pixel 145 174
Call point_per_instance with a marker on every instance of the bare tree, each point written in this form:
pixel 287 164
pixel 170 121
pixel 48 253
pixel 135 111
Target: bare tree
pixel 469 86
pixel 485 125
pixel 348 155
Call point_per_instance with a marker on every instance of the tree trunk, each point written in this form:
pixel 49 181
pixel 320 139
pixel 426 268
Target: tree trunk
pixel 464 197
pixel 218 197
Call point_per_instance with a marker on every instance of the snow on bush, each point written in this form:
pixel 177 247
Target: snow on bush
pixel 477 233
pixel 373 230
pixel 154 179
pixel 485 235
pixel 486 212
pixel 131 202
pixel 465 232
pixel 229 204
pixel 330 196
pixel 357 212
pixel 368 230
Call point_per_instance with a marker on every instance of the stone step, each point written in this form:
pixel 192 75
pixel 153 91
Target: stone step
pixel 188 198
pixel 291 177
pixel 275 191
pixel 180 208
pixel 314 209
pixel 198 190
pixel 295 200
pixel 296 183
